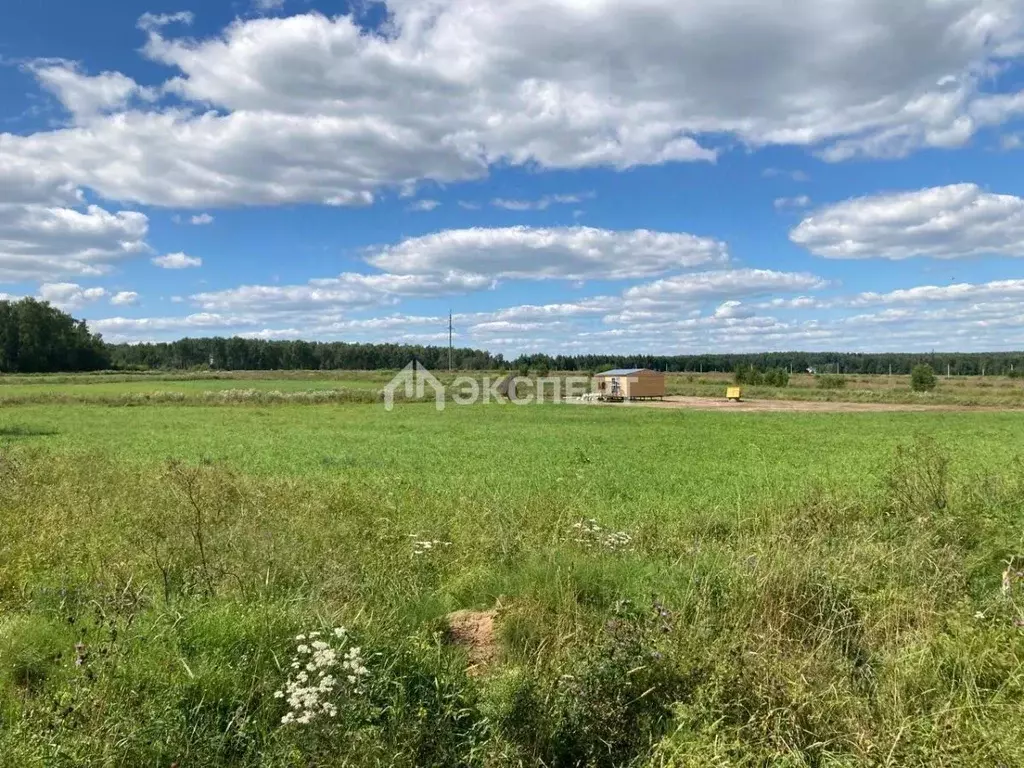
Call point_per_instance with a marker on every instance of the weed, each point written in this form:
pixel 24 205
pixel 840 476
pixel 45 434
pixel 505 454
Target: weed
pixel 830 381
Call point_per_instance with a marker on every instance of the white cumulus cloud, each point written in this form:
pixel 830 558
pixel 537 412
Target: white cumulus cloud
pixel 348 290
pixel 541 203
pixel 86 96
pixel 40 242
pixel 69 295
pixel 124 298
pixel 311 108
pixel 726 283
pixel 177 261
pixel 577 253
pixel 942 222
pixel 997 290
pixel 424 206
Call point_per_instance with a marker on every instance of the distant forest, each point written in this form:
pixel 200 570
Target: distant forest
pixel 38 338
pixel 251 354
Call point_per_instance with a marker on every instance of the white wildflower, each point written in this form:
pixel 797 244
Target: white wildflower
pixel 311 688
pixel 426 546
pixel 590 533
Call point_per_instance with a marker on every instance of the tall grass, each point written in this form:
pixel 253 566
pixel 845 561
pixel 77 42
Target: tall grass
pixel 230 396
pixel 148 614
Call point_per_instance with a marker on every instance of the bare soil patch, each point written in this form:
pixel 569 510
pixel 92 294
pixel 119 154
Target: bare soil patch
pixel 475 631
pixel 793 406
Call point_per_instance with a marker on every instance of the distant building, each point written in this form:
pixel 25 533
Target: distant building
pixel 630 384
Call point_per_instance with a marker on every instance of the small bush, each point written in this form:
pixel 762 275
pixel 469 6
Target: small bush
pixel 773 377
pixel 745 374
pixel 830 381
pixel 922 378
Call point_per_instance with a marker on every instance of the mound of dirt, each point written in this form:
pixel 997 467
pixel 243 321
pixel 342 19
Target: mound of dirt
pixel 474 631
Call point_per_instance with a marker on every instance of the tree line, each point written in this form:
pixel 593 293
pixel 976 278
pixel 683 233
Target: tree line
pixel 238 354
pixel 38 338
pixel 955 363
pixel 258 354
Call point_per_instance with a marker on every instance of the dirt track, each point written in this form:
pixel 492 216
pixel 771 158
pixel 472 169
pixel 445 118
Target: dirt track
pixel 793 406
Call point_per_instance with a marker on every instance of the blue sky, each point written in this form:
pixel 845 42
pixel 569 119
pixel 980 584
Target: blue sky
pixel 665 176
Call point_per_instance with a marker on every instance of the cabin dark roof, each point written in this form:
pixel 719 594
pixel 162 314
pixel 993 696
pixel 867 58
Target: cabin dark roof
pixel 621 372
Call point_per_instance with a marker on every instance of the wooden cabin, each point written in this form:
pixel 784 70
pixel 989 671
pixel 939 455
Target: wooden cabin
pixel 630 384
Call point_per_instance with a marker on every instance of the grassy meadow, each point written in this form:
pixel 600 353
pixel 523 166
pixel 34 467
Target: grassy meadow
pixel 215 387
pixel 668 588
pixel 965 391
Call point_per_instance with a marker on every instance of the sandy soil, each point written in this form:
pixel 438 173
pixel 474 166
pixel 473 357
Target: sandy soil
pixel 794 406
pixel 475 631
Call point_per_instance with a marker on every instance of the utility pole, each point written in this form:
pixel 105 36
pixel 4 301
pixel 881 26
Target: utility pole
pixel 450 336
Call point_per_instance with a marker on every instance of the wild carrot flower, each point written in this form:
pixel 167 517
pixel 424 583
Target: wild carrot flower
pixel 309 691
pixel 426 546
pixel 590 533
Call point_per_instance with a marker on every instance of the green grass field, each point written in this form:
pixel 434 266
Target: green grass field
pixel 756 589
pixel 120 388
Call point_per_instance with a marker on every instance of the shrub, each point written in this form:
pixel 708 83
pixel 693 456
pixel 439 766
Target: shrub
pixel 922 378
pixel 830 381
pixel 773 377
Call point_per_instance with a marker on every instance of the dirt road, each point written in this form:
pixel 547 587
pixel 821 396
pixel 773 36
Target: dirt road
pixel 792 406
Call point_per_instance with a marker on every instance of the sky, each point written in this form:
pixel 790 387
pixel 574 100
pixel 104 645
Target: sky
pixel 563 176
